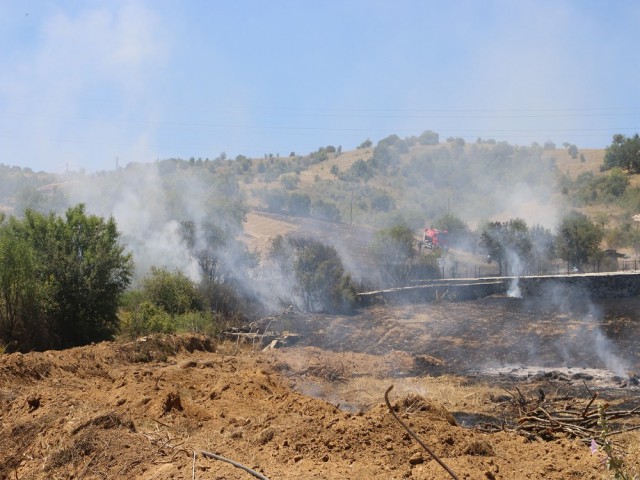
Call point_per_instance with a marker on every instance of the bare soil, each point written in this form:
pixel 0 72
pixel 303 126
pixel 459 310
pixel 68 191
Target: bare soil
pixel 313 410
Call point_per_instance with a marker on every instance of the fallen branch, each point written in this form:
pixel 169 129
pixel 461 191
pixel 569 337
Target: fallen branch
pixel 235 464
pixel 545 417
pixel 415 437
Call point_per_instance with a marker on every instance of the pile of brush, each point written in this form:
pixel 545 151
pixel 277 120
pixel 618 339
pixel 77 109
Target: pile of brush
pixel 547 417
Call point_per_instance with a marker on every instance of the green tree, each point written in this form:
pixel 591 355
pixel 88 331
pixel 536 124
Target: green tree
pixel 624 152
pixel 578 239
pixel 145 318
pixel 360 170
pixel 85 276
pixel 18 290
pixel 79 270
pixel 165 303
pixel 320 280
pixel 290 182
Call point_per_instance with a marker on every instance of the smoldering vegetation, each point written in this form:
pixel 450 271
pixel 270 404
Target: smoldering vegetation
pixel 502 206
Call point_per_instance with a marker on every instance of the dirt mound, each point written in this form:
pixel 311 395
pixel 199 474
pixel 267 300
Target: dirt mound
pixel 142 410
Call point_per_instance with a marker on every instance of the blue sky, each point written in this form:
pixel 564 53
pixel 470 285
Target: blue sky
pixel 86 83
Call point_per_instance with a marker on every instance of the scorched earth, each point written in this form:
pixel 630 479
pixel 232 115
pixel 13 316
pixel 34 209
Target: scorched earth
pixel 148 409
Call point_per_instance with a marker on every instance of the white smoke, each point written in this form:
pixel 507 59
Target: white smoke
pixel 516 270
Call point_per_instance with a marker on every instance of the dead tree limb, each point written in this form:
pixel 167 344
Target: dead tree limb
pixel 234 463
pixel 415 437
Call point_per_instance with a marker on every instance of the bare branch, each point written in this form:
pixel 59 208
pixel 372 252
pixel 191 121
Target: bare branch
pixel 415 437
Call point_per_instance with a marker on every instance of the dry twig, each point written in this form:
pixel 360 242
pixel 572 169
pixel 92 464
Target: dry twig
pixel 234 463
pixel 415 437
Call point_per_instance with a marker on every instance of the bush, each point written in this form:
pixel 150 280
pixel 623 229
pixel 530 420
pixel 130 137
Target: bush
pixel 366 144
pixel 299 204
pixel 276 200
pixel 144 319
pixel 173 292
pixel 325 211
pixel 381 201
pixel 197 322
pixel 359 170
pixel 290 182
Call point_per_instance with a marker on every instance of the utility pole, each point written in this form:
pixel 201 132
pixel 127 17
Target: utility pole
pixel 351 209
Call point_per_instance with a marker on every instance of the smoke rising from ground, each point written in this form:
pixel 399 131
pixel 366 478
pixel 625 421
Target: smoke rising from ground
pixel 142 208
pixel 584 337
pixel 186 219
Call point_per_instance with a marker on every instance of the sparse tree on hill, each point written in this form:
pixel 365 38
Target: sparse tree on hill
pixel 429 138
pixel 366 144
pixel 573 151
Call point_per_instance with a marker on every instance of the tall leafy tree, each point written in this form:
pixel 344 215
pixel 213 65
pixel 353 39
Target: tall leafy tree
pixel 18 289
pixel 578 239
pixel 79 269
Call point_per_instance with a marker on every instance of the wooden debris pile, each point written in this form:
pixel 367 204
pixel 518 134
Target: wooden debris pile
pixel 547 417
pixel 261 334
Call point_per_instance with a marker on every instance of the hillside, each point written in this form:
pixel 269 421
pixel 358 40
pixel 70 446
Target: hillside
pixel 158 406
pixel 420 183
pixel 359 191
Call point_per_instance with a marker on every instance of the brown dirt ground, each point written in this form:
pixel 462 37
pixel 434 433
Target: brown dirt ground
pixel 141 409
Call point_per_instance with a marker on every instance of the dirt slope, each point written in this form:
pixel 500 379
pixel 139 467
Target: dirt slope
pixel 141 410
